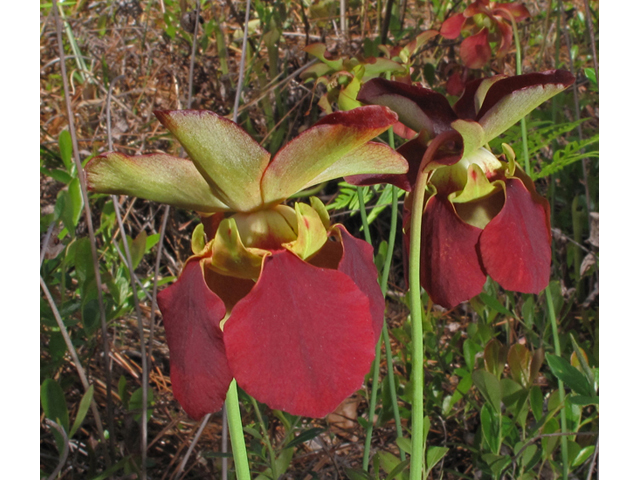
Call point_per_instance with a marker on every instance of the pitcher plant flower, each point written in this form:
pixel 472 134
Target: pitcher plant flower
pixel 273 296
pixel 487 22
pixel 482 215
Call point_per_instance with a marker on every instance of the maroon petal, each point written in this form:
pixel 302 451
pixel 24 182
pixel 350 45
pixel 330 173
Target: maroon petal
pixel 302 340
pixel 475 51
pixel 465 107
pixel 452 26
pixel 516 244
pixel 200 375
pixel 450 272
pixel 357 262
pixel 417 107
pixel 506 36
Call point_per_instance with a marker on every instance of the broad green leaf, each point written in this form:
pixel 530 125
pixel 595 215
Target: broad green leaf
pixel 389 462
pixel 583 455
pixel 59 175
pixel 549 443
pixel 357 474
pixel 400 468
pixel 489 387
pixel 85 403
pixel 571 376
pixel 497 463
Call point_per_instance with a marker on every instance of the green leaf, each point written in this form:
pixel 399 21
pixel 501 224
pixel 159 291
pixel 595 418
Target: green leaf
pixel 66 149
pixel 495 357
pixel 494 303
pixel 584 454
pixel 123 392
pixel 489 387
pixel 57 174
pixel 590 73
pixel 549 443
pixel 519 358
pixel 536 402
pixel 491 428
pixel 404 444
pixel 135 403
pixel 569 375
pixel 389 463
pixel 401 467
pixel 305 437
pixel 85 403
pixel 357 474
pixel 55 408
pixel 91 315
pixel 434 455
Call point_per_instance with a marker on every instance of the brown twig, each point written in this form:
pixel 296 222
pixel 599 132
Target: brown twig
pixel 92 237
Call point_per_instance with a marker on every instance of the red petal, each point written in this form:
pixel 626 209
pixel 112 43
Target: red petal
pixel 516 244
pixel 357 262
pixel 302 340
pixel 475 50
pixel 451 271
pixel 452 26
pixel 200 374
pixel 465 107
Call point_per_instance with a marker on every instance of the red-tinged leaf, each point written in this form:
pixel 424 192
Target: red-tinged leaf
pixel 200 375
pixel 316 149
pixel 417 107
pixel 475 50
pixel 495 357
pixel 157 177
pixel 519 362
pixel 515 246
pixel 452 26
pixel 302 340
pixel 370 157
pixel 227 157
pixel 511 98
pixel 357 263
pixel 451 271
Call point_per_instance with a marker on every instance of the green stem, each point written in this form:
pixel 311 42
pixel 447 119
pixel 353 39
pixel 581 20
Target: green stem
pixel 417 343
pixel 236 433
pixel 265 435
pixel 523 122
pixel 563 414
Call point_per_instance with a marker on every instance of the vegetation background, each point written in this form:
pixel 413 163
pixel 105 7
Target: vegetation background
pixel 155 61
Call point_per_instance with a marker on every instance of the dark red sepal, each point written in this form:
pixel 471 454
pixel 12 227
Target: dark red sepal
pixel 515 245
pixel 450 272
pixel 200 375
pixel 302 340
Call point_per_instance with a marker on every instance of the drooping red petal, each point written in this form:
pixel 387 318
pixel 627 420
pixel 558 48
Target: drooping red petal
pixel 452 26
pixel 200 375
pixel 516 246
pixel 475 50
pixel 450 272
pixel 302 340
pixel 357 262
pixel 506 34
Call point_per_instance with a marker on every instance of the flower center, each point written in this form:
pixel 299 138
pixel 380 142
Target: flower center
pixel 267 229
